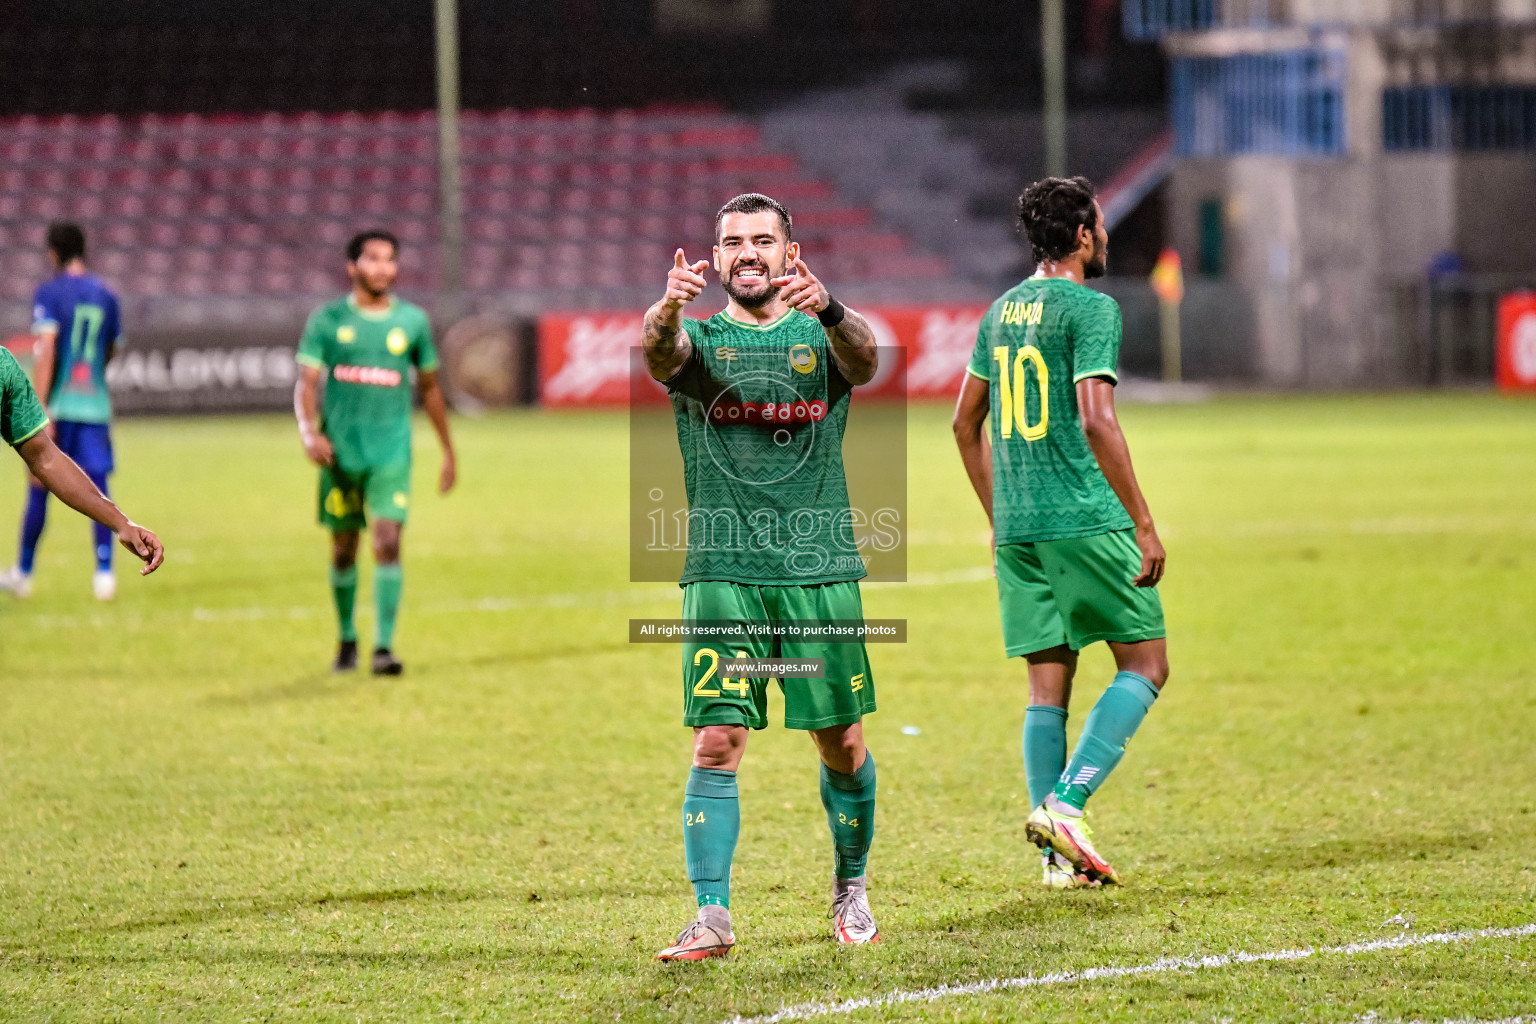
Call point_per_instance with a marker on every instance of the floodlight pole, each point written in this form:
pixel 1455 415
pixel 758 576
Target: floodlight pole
pixel 1053 64
pixel 449 181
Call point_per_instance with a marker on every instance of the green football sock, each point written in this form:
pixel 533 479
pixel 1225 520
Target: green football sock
pixel 1045 749
pixel 344 595
pixel 1110 726
pixel 711 823
pixel 850 804
pixel 387 580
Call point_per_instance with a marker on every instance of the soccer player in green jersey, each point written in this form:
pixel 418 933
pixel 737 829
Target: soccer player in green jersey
pixel 1076 553
pixel 364 347
pixel 23 426
pixel 760 394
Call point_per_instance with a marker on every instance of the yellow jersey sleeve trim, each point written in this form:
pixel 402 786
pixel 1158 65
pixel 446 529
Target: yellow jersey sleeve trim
pixel 978 376
pixel 1113 377
pixel 303 359
pixel 29 435
pixel 429 367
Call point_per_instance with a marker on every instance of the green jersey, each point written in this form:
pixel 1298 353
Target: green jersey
pixel 1035 344
pixel 367 358
pixel 21 413
pixel 760 414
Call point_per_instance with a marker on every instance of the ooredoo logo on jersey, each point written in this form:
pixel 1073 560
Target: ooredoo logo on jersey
pixel 377 376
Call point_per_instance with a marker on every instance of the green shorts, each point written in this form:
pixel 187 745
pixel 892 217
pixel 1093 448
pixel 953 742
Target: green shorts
pixel 1075 592
pixel 844 696
pixel 383 491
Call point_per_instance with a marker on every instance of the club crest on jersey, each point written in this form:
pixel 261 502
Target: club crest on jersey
pixel 802 359
pixel 346 334
pixel 727 354
pixel 396 341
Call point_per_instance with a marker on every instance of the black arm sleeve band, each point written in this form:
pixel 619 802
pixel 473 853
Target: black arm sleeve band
pixel 833 314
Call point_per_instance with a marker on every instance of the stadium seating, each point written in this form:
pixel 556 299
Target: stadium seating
pixel 571 202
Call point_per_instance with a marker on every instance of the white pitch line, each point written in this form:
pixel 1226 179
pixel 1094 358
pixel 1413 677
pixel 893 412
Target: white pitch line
pixel 927 995
pixel 1372 1018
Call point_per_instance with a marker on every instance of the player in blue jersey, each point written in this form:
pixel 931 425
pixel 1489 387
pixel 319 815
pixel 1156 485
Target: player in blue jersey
pixel 78 328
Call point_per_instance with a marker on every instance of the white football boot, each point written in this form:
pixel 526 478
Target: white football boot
pixel 104 584
pixel 16 581
pixel 706 937
pixel 852 921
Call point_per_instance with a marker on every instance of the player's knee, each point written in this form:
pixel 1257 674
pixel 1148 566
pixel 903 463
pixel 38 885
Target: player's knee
pixel 386 547
pixel 716 747
pixel 844 758
pixel 1156 671
pixel 344 552
pixel 842 750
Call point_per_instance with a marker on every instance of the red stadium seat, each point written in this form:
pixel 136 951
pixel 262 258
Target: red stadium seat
pixel 16 287
pixel 263 204
pixel 41 206
pixel 315 282
pixel 190 285
pixel 45 179
pixel 206 232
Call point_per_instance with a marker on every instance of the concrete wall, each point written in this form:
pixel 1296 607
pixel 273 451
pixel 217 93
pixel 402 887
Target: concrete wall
pixel 1494 196
pixel 1318 244
pixel 1300 241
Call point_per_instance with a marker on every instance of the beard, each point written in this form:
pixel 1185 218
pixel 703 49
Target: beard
pixel 750 299
pixel 378 287
pixel 1098 264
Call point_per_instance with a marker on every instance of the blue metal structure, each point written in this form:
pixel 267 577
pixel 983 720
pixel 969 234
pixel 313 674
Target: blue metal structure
pixel 1153 19
pixel 1285 103
pixel 1459 118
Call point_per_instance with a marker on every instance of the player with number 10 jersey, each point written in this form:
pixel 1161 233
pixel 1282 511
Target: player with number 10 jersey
pixel 1076 553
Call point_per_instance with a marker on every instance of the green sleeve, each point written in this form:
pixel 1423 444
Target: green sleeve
pixel 424 353
pixel 981 360
pixel 313 342
pixel 21 414
pixel 1096 339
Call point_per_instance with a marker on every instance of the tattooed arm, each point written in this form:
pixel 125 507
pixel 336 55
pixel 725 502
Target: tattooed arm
pixel 853 348
pixel 665 342
pixel 852 340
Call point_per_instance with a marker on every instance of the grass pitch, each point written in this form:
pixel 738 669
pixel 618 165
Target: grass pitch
pixel 201 823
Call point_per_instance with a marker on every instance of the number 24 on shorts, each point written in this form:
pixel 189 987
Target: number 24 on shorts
pixel 702 688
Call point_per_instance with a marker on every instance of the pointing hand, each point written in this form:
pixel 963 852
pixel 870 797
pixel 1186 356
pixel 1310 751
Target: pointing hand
pixel 801 290
pixel 685 281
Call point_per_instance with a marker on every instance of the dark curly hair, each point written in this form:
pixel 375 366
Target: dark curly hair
pixel 362 238
pixel 1050 212
pixel 754 202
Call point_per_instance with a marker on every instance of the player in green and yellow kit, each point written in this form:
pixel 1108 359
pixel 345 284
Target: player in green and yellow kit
pixel 24 426
pixel 364 347
pixel 760 393
pixel 1076 553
